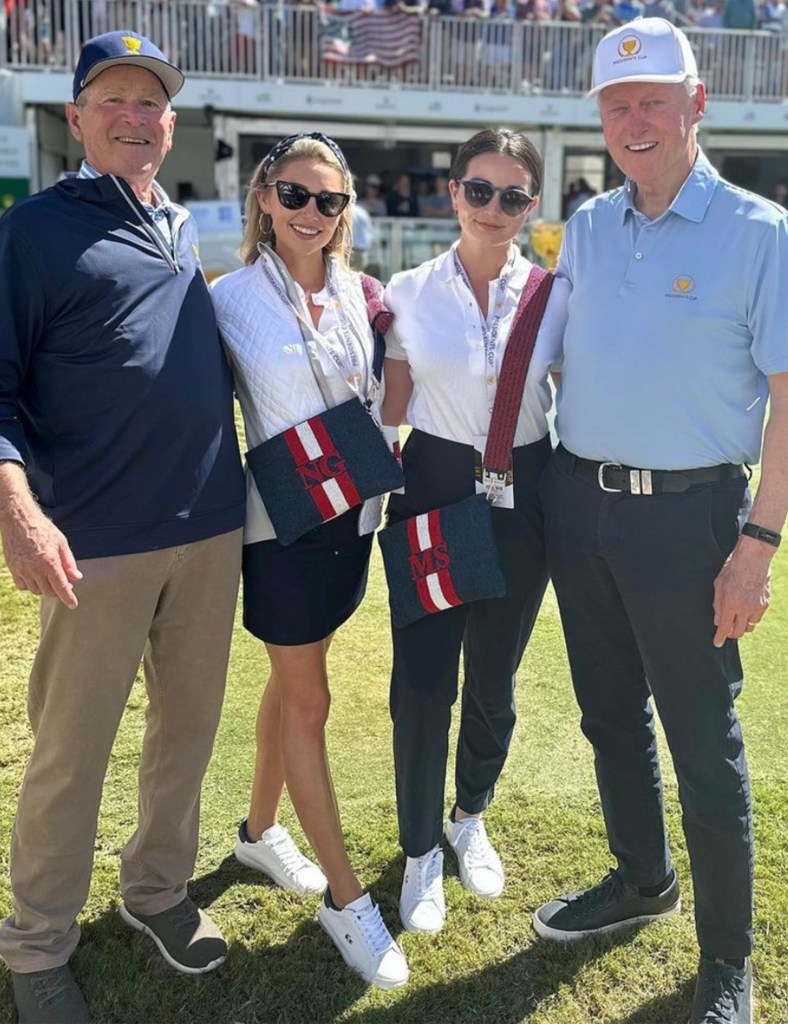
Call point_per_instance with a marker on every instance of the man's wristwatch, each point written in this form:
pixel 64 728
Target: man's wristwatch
pixel 761 533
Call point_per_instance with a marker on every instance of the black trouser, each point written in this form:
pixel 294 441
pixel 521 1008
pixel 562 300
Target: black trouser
pixel 634 576
pixel 492 635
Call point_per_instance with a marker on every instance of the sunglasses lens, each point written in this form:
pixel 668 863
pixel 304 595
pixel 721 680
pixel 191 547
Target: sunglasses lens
pixel 291 196
pixel 514 202
pixel 331 204
pixel 478 193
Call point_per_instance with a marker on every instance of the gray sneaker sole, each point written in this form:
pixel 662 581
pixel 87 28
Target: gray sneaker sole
pixel 383 983
pixel 557 935
pixel 244 857
pixel 140 927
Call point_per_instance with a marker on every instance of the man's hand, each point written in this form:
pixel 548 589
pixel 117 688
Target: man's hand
pixel 741 591
pixel 36 552
pixel 39 558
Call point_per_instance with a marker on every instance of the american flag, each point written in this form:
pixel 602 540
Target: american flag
pixel 382 39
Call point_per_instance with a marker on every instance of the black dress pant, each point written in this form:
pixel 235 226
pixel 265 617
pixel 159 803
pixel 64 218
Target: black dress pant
pixel 492 635
pixel 634 576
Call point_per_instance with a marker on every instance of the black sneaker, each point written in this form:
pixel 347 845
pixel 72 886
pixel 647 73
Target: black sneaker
pixel 723 994
pixel 604 908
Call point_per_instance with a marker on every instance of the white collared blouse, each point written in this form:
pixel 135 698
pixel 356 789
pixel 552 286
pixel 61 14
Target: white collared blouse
pixel 438 330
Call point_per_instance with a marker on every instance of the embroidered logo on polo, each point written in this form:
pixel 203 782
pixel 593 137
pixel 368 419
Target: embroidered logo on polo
pixel 321 468
pixel 682 287
pixel 430 563
pixel 630 49
pixel 132 45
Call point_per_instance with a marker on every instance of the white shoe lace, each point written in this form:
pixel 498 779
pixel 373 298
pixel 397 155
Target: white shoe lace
pixel 478 850
pixel 373 929
pixel 429 878
pixel 288 854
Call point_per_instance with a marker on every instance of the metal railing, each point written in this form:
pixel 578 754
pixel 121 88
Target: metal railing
pixel 229 39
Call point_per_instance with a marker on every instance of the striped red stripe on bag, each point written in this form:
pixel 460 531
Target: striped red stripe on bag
pixel 321 468
pixel 430 561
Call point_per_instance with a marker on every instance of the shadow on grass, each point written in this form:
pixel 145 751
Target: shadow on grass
pixel 304 981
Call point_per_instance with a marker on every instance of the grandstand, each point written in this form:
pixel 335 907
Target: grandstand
pixel 397 88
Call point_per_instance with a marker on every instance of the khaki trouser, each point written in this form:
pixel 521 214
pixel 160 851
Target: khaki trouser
pixel 175 609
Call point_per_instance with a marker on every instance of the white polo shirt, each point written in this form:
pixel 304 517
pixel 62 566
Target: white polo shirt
pixel 273 377
pixel 438 330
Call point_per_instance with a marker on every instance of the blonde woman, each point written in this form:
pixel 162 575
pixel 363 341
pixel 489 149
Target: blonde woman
pixel 296 278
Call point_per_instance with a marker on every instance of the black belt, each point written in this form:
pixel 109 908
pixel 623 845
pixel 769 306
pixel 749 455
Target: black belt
pixel 615 478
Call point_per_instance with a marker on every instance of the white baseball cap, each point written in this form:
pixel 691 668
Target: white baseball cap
pixel 643 50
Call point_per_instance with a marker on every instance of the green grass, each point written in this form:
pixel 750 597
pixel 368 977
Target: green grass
pixel 487 966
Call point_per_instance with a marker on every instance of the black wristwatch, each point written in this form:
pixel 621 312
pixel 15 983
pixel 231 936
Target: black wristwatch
pixel 761 533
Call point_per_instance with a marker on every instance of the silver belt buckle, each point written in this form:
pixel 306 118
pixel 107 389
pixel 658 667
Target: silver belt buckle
pixel 601 477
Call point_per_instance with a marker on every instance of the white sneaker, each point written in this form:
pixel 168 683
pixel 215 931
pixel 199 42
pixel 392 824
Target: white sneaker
pixel 277 856
pixel 364 941
pixel 480 866
pixel 422 907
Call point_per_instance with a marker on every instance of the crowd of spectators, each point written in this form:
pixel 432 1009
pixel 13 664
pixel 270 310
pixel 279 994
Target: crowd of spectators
pixel 401 195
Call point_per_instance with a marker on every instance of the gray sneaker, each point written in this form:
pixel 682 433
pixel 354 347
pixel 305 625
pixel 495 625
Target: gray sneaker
pixel 723 994
pixel 187 939
pixel 49 997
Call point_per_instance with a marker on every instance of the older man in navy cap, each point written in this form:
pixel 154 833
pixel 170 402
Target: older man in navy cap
pixel 121 503
pixel 675 342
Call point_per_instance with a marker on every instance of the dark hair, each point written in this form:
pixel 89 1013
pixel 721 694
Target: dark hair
pixel 500 140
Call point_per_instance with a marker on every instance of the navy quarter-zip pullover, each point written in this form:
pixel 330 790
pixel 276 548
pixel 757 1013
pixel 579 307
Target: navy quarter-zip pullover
pixel 114 391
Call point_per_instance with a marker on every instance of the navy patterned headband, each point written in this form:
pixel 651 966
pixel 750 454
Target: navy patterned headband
pixel 289 141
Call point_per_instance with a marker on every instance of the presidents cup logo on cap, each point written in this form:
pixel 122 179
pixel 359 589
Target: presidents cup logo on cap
pixel 645 50
pixel 630 46
pixel 124 48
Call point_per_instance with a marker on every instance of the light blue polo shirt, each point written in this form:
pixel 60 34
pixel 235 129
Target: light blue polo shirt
pixel 674 325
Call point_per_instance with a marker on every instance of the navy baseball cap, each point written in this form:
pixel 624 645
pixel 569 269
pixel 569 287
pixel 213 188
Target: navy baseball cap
pixel 123 47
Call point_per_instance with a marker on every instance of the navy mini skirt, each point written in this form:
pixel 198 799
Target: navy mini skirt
pixel 301 593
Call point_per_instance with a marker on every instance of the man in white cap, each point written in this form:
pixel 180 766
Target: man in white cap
pixel 121 505
pixel 675 342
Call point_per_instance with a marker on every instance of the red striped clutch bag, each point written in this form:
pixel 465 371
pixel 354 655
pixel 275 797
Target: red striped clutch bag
pixel 440 559
pixel 322 467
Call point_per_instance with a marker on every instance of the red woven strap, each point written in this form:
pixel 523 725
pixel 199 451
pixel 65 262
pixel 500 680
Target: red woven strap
pixel 379 317
pixel 514 369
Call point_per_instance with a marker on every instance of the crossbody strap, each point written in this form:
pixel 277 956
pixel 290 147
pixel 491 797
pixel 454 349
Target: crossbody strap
pixel 380 320
pixel 514 369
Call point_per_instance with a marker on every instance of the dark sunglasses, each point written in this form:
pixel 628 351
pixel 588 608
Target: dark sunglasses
pixel 295 197
pixel 478 193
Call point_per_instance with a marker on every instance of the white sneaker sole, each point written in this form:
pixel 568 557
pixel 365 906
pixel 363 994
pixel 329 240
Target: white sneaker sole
pixel 250 861
pixel 556 935
pixel 384 983
pixel 140 927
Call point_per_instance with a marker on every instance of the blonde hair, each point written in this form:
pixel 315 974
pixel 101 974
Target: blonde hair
pixel 259 227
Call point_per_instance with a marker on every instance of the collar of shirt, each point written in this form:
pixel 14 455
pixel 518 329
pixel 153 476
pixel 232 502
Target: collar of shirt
pixel 162 200
pixel 693 198
pixel 445 268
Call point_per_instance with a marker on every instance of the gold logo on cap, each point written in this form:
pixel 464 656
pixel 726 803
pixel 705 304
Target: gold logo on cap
pixel 132 45
pixel 630 46
pixel 682 285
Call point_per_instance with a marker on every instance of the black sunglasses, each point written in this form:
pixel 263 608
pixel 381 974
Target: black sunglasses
pixel 478 193
pixel 295 197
